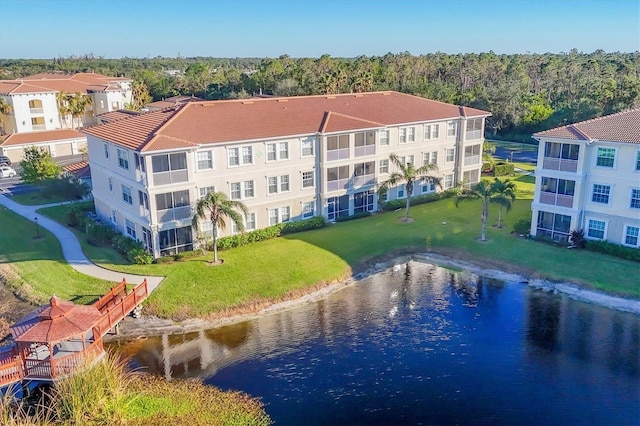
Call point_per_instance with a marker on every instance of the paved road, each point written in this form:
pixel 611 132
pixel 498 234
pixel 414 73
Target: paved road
pixel 516 155
pixel 71 249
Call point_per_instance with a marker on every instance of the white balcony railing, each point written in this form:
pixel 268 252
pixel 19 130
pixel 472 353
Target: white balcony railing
pixel 338 154
pixel 36 110
pixel 39 127
pixel 561 164
pixel 165 178
pixel 474 134
pixel 361 151
pixel 334 185
pixel 471 160
pixel 554 199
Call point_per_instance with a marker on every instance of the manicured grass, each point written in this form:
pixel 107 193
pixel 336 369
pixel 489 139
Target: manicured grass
pixel 284 267
pixel 37 269
pixel 517 146
pixel 37 198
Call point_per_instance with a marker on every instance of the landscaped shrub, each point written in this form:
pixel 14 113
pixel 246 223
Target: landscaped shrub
pixel 628 253
pixel 99 233
pixel 576 237
pixel 140 256
pixel 420 199
pixel 503 169
pixel 270 232
pixel 352 217
pixel 65 187
pixel 522 227
pixel 77 215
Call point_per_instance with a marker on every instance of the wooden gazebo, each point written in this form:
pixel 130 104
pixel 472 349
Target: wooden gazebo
pixel 56 338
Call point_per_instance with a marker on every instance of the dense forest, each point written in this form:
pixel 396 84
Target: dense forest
pixel 524 92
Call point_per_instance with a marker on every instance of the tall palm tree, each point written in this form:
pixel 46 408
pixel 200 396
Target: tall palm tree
pixel 5 109
pixel 407 172
pixel 217 207
pixel 78 104
pixel 504 195
pixel 64 107
pixel 481 191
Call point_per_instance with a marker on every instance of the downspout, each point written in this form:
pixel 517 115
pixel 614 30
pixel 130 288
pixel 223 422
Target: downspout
pixel 584 193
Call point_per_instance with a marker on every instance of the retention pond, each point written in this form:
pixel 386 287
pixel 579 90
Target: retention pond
pixel 421 345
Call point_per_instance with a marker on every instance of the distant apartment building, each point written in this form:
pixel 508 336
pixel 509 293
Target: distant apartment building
pixel 287 159
pixel 588 178
pixel 35 117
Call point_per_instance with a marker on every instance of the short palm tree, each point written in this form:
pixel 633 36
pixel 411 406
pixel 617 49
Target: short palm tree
pixel 217 207
pixel 481 191
pixel 407 172
pixel 504 195
pixel 78 104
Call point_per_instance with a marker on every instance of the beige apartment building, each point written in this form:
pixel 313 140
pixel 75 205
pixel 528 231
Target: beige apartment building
pixel 588 178
pixel 287 159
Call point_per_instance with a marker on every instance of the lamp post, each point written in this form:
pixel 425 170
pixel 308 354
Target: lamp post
pixel 37 228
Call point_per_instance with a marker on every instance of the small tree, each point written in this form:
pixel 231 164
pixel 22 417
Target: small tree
pixel 38 166
pixel 504 195
pixel 217 207
pixel 481 191
pixel 410 174
pixel 5 109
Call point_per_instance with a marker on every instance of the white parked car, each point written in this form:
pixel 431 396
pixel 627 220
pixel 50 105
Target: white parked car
pixel 6 171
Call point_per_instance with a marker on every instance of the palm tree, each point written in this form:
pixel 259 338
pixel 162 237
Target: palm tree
pixel 504 195
pixel 5 109
pixel 217 207
pixel 64 108
pixel 407 172
pixel 78 104
pixel 481 191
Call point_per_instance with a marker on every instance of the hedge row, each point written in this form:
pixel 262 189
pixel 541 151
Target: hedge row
pixel 420 199
pixel 628 253
pixel 270 232
pixel 503 169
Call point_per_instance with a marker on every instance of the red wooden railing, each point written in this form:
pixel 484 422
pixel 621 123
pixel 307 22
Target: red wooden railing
pixel 114 306
pixel 113 313
pixel 10 367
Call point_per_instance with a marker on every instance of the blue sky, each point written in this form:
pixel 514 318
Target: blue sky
pixel 310 28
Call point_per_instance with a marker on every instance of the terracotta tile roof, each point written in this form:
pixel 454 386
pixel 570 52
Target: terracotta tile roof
pixel 80 169
pixel 620 127
pixel 44 136
pixel 59 320
pixel 206 122
pixel 57 82
pixel 173 100
pixel 108 117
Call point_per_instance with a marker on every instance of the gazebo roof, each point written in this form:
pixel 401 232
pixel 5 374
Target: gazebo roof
pixel 57 321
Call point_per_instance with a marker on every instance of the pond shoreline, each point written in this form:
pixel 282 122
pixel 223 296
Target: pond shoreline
pixel 145 326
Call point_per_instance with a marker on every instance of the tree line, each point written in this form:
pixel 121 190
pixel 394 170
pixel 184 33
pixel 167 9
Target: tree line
pixel 524 92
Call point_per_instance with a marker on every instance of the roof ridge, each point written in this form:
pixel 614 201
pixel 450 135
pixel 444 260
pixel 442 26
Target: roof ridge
pixel 158 130
pixel 579 131
pixel 353 117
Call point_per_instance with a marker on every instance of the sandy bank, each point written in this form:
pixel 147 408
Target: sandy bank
pixel 152 326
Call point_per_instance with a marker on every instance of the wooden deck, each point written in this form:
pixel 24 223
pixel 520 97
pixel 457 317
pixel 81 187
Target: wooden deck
pixel 40 364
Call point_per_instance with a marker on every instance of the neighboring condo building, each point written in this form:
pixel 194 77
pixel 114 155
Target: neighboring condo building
pixel 285 158
pixel 588 178
pixel 36 119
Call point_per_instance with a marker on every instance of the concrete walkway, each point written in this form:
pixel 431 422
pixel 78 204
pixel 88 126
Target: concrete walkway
pixel 71 249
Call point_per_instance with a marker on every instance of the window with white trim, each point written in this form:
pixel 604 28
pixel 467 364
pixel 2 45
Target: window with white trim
pixel 241 190
pixel 427 186
pixel 606 157
pixel 448 182
pixel 337 147
pixel 279 215
pixel 308 209
pixel 278 151
pixel 452 128
pixel 431 131
pixel 240 156
pixel 638 161
pixel 123 159
pixel 106 151
pixel 308 180
pixel 383 167
pixel 383 137
pixel 203 191
pixel 601 193
pixel 474 129
pixel 631 234
pixel 126 195
pixel 450 155
pixel 407 159
pixel 407 134
pixel 430 158
pixel 204 160
pixel 250 221
pixel 130 228
pixel 596 228
pixel 110 183
pixel 306 147
pixel 635 199
pixel 276 184
pixel 402 191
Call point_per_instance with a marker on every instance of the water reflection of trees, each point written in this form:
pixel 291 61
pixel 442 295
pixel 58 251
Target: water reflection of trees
pixel 590 333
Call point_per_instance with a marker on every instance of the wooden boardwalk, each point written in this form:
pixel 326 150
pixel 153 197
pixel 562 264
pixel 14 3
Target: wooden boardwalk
pixel 49 363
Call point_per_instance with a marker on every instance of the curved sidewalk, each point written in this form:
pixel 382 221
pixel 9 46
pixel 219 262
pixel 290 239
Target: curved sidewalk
pixel 71 249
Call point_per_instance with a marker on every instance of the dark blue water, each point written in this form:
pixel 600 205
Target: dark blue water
pixel 428 347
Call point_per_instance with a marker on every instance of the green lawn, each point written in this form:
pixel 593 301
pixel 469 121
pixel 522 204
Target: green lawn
pixel 278 268
pixel 39 267
pixel 37 198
